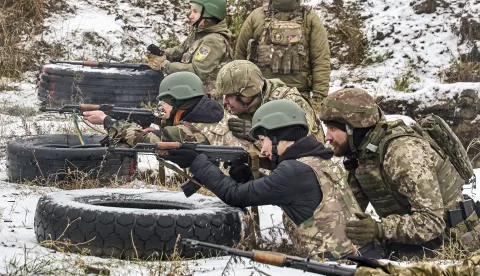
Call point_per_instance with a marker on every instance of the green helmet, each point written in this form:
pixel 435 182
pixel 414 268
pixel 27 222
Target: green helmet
pixel 215 8
pixel 181 86
pixel 351 106
pixel 277 114
pixel 240 77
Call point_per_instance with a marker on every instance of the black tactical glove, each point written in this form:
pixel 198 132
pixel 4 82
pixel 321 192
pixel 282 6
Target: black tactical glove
pixel 240 173
pixel 240 128
pixel 182 157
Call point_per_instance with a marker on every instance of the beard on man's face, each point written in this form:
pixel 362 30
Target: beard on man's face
pixel 340 150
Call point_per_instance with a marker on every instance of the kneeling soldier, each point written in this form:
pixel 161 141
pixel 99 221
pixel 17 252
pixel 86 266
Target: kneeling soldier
pixel 304 182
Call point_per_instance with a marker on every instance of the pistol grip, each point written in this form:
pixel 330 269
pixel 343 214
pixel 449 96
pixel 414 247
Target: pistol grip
pixel 189 188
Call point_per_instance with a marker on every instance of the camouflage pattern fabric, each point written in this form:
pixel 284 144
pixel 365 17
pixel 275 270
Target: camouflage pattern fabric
pixel 210 134
pixel 351 106
pixel 277 90
pixel 410 204
pixel 325 230
pixel 468 267
pixel 203 53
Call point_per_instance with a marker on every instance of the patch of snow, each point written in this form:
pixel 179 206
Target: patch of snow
pixel 89 198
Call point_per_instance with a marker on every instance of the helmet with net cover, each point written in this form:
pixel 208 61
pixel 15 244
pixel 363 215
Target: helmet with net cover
pixel 351 106
pixel 240 77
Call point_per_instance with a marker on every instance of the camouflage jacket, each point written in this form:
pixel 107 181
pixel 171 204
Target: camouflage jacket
pixel 203 133
pixel 313 49
pixel 202 53
pixel 324 233
pixel 411 189
pixel 277 90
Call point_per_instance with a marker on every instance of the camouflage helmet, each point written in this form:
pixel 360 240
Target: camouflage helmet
pixel 215 8
pixel 239 77
pixel 351 106
pixel 181 86
pixel 277 114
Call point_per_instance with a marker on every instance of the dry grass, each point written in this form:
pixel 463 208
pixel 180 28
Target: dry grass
pixel 462 72
pixel 347 41
pixel 20 23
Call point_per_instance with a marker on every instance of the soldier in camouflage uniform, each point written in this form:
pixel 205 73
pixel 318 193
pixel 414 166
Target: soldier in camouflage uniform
pixel 244 89
pixel 191 117
pixel 288 41
pixel 468 267
pixel 319 201
pixel 406 180
pixel 205 50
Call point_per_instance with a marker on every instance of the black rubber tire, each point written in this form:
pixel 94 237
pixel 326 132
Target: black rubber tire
pixel 52 157
pixel 69 84
pixel 153 219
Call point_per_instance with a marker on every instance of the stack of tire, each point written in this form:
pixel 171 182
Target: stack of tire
pixel 72 84
pixel 61 157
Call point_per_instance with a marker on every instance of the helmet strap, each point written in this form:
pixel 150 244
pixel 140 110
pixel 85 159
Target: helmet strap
pixel 274 153
pixel 351 143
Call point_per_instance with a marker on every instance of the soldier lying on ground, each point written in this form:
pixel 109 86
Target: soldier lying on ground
pixel 206 48
pixel 410 185
pixel 468 267
pixel 304 182
pixel 244 89
pixel 191 117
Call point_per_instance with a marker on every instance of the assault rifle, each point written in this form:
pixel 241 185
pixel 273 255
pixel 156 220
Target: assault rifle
pixel 216 154
pixel 101 64
pixel 277 259
pixel 140 116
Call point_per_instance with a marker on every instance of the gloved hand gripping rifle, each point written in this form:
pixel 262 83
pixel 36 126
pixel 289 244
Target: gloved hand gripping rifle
pixel 216 154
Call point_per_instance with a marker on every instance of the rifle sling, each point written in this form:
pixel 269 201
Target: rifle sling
pixel 179 171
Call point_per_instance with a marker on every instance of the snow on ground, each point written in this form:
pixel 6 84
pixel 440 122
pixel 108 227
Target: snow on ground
pixel 423 44
pixel 17 237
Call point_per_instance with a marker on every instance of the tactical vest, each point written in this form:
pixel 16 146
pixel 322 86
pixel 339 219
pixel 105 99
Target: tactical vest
pixel 282 45
pixel 325 230
pixel 381 191
pixel 209 82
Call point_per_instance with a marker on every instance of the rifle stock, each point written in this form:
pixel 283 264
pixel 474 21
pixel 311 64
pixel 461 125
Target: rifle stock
pixel 277 259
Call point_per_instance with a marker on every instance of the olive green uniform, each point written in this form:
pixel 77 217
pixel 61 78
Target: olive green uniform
pixel 203 53
pixel 292 44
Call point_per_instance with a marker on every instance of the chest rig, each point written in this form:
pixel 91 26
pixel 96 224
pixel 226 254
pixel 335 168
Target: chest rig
pixel 380 190
pixel 325 230
pixel 282 45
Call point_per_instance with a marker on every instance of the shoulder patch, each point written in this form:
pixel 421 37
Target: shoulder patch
pixel 202 52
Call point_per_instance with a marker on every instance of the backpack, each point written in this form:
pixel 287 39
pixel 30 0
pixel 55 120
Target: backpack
pixel 441 137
